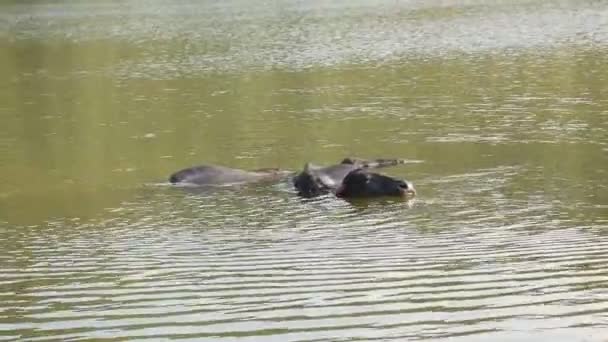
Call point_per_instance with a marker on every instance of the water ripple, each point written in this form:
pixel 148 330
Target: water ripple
pixel 304 277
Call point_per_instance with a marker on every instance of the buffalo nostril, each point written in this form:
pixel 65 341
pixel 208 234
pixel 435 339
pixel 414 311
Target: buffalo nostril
pixel 403 185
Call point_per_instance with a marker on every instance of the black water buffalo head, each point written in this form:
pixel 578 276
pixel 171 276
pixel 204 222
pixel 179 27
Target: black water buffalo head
pixel 311 182
pixel 361 183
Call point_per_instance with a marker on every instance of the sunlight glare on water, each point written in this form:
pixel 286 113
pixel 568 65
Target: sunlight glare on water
pixel 500 107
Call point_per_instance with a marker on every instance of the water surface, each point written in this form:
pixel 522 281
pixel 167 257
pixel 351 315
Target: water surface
pixel 503 102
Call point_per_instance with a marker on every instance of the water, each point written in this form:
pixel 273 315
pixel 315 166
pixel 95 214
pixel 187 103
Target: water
pixel 503 102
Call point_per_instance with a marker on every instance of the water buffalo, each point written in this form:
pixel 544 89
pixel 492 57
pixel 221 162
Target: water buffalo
pixel 221 175
pixel 315 180
pixel 362 183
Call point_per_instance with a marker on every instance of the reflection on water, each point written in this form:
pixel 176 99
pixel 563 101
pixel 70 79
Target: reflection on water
pixel 503 103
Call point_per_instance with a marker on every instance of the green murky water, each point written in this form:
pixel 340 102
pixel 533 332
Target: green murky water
pixel 505 104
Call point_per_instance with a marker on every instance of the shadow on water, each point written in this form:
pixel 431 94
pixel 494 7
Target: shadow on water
pixel 363 204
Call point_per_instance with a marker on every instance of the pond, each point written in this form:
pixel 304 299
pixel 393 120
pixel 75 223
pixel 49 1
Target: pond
pixel 501 108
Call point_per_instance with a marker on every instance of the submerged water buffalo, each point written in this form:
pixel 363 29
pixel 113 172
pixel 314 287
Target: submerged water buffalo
pixel 315 180
pixel 220 175
pixel 351 178
pixel 362 183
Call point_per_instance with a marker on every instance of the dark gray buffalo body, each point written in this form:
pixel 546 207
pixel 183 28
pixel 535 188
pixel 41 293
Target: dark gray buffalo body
pixel 220 175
